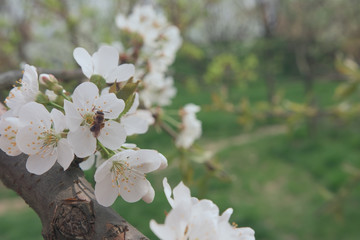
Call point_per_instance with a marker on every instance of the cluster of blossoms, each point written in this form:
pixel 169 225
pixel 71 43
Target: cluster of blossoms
pixel 158 42
pixel 94 120
pixel 155 43
pixel 191 218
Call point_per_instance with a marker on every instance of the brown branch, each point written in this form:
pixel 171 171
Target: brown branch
pixel 65 203
pixel 9 78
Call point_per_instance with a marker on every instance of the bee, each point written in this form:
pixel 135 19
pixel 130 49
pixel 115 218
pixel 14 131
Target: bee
pixel 98 123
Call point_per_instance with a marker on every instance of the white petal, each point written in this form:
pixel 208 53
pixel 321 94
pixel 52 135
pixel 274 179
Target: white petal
pixel 167 191
pixel 33 112
pixel 181 194
pixel 42 162
pixel 161 231
pixel 103 170
pixel 28 139
pixel 134 124
pixel 226 215
pixel 72 116
pixel 133 189
pixel 113 135
pixel 65 153
pixel 164 162
pixel 105 193
pixel 145 160
pixel 9 147
pixel 88 163
pixel 82 141
pixel 105 60
pixel 110 105
pixel 245 233
pixel 84 95
pixel 149 196
pixel 8 130
pixel 121 73
pixel 83 58
pixel 58 120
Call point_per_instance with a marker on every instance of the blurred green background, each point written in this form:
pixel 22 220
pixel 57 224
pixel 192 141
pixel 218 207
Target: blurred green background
pixel 270 78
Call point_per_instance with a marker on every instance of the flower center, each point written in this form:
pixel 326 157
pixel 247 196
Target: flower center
pixel 88 119
pixel 122 173
pixel 49 138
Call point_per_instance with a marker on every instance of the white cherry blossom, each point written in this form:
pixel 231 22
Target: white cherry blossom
pixel 193 219
pixel 41 138
pixel 81 120
pixel 191 126
pixel 104 62
pixel 124 175
pixel 25 93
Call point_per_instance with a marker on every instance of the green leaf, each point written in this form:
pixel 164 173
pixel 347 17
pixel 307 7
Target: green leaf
pixel 128 103
pixel 127 90
pixel 99 81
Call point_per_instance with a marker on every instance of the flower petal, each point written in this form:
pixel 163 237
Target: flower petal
pixel 110 105
pixel 149 196
pixel 162 231
pixel 168 191
pixel 82 141
pixel 84 96
pixel 65 153
pixel 103 170
pixel 88 163
pixel 72 116
pixel 105 193
pixel 83 58
pixel 42 116
pixel 134 124
pixel 8 130
pixel 105 60
pixel 121 73
pixel 58 119
pixel 134 187
pixel 113 135
pixel 181 194
pixel 145 160
pixel 41 162
pixel 28 138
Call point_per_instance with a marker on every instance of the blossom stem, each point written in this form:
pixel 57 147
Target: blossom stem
pixel 56 105
pixel 109 153
pixel 171 120
pixel 65 96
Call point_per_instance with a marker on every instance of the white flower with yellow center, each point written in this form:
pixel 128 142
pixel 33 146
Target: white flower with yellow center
pixel 104 62
pixel 124 175
pixel 91 117
pixel 25 93
pixel 41 138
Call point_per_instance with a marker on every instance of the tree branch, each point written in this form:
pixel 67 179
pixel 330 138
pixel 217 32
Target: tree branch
pixel 65 203
pixel 9 78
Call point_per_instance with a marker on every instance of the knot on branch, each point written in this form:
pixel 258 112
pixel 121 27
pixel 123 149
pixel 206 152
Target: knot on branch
pixel 115 232
pixel 74 219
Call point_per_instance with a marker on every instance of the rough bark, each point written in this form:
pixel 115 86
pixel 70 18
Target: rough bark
pixel 65 202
